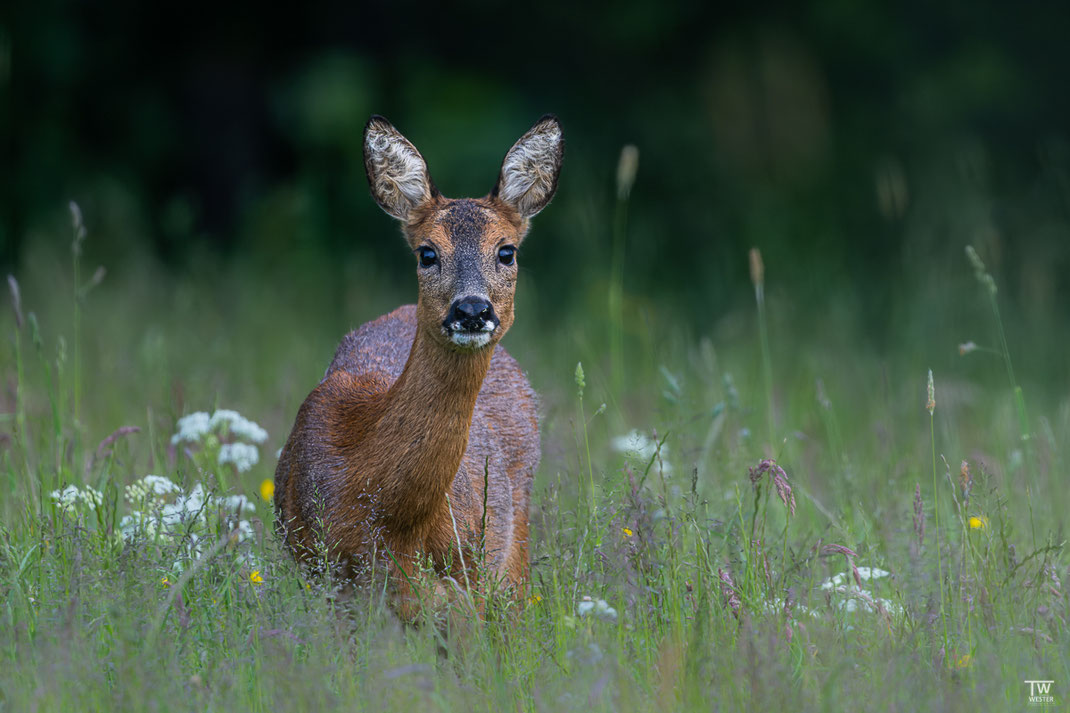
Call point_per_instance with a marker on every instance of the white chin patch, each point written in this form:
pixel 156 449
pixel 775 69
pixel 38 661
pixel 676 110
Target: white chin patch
pixel 470 340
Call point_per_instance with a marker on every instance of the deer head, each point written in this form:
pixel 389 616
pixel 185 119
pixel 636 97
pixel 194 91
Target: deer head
pixel 466 249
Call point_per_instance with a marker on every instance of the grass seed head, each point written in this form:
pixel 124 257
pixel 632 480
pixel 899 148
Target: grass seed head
pixel 627 167
pixel 757 268
pixel 848 554
pixel 78 226
pixel 930 405
pixel 16 300
pixel 728 591
pixel 780 481
pixel 979 270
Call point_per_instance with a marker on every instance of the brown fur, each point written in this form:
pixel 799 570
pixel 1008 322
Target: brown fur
pixel 394 445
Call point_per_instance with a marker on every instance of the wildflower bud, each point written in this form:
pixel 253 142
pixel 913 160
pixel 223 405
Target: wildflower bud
pixel 627 167
pixel 580 382
pixel 16 300
pixel 965 479
pixel 931 404
pixel 757 268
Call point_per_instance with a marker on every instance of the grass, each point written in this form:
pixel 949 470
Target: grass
pixel 723 597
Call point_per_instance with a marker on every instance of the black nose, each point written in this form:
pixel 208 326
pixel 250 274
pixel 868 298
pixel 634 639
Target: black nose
pixel 471 313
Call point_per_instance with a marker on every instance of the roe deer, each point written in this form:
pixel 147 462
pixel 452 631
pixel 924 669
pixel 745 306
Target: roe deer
pixel 420 408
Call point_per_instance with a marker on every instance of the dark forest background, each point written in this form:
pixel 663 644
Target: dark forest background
pixel 861 146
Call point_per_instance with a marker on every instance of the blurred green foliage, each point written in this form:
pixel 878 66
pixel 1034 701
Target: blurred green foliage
pixel 861 147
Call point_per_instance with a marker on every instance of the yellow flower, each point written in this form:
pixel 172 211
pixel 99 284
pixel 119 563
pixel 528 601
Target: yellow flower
pixel 165 582
pixel 977 523
pixel 627 532
pixel 255 577
pixel 534 599
pixel 267 489
pixel 964 661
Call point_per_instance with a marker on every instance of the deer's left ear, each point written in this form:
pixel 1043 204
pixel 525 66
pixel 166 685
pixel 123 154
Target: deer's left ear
pixel 529 172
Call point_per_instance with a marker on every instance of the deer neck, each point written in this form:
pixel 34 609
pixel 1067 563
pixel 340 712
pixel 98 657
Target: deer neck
pixel 423 433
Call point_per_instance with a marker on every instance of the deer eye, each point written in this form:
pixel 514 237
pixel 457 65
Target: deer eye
pixel 428 256
pixel 507 254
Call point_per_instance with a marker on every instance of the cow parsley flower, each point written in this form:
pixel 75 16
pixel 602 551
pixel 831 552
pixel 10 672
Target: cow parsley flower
pixel 150 485
pixel 192 428
pixel 640 447
pixel 238 426
pixel 597 607
pixel 65 498
pixel 185 508
pixel 138 523
pixel 236 503
pixel 72 496
pixel 864 573
pixel 245 530
pixel 242 456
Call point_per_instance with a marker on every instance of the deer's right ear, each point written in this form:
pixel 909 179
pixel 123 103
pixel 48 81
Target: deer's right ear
pixel 397 173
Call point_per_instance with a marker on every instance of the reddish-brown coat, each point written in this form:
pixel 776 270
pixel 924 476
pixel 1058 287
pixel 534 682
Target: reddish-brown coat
pixel 379 443
pixel 413 440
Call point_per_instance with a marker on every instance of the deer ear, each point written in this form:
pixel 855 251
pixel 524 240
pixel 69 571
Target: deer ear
pixel 529 172
pixel 397 173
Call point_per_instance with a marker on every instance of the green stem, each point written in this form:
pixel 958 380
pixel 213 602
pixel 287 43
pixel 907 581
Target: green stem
pixel 77 341
pixel 590 469
pixel 939 556
pixel 767 364
pixel 616 296
pixel 1019 397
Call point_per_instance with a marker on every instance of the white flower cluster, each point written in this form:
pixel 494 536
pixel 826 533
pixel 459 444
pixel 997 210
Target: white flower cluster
pixel 854 598
pixel 597 607
pixel 150 485
pixel 235 504
pixel 778 605
pixel 242 456
pixel 864 573
pixel 639 447
pixel 227 424
pixel 73 497
pixel 192 428
pixel 161 508
pixel 237 425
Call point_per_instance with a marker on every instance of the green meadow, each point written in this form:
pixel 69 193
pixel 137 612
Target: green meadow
pixel 779 497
